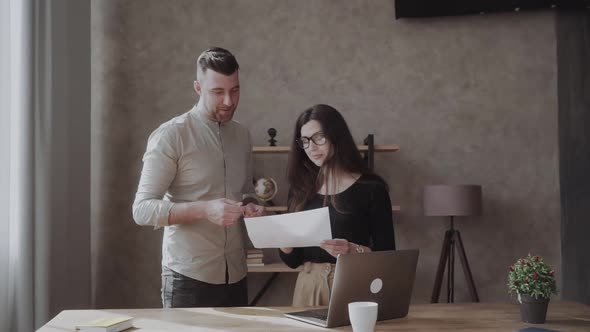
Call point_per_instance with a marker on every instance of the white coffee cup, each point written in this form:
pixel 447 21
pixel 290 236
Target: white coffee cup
pixel 363 316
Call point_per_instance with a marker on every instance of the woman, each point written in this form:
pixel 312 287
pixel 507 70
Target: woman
pixel 325 168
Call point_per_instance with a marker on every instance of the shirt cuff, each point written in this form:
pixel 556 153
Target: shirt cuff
pixel 163 214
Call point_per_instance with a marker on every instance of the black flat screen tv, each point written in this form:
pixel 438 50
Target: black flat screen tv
pixel 432 8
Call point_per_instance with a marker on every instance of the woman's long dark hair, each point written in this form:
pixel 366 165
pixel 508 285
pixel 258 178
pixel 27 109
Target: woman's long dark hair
pixel 305 178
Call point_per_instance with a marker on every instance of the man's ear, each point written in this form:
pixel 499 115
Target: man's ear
pixel 197 87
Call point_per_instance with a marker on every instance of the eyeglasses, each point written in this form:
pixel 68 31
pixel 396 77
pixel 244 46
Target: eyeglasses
pixel 317 139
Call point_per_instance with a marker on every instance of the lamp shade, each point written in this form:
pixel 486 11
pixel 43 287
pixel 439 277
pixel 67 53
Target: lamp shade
pixel 452 200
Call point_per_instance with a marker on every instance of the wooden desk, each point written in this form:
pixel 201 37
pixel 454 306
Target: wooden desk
pixel 562 316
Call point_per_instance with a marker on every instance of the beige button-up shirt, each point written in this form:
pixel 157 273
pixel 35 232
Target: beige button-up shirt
pixel 192 158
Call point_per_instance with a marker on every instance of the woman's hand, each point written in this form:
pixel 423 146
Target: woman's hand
pixel 337 247
pixel 287 250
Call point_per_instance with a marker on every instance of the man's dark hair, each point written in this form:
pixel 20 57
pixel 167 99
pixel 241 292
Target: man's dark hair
pixel 217 59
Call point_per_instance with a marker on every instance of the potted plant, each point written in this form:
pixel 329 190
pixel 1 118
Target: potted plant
pixel 534 282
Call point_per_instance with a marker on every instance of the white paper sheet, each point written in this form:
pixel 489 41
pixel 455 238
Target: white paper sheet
pixel 297 229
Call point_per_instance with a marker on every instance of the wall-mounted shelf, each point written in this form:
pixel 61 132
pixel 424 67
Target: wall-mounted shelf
pixel 394 208
pixel 284 149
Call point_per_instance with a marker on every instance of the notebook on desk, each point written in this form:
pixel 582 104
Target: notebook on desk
pixel 385 277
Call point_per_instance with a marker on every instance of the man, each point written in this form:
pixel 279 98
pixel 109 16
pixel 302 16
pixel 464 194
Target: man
pixel 195 170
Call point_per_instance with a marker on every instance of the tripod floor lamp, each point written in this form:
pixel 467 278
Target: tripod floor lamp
pixel 452 201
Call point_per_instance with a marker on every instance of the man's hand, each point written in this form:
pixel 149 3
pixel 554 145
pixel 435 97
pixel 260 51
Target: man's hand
pixel 253 210
pixel 223 211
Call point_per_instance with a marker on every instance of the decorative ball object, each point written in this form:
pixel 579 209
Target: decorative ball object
pixel 265 189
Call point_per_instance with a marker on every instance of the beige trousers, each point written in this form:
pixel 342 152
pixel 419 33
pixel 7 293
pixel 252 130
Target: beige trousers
pixel 314 285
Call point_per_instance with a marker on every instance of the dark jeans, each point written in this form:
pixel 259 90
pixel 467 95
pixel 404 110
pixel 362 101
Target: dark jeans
pixel 179 291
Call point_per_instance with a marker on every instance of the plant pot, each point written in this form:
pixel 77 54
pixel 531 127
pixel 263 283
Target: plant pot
pixel 533 310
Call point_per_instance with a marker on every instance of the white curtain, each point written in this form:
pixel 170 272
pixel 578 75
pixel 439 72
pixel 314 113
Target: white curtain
pixel 44 170
pixel 4 166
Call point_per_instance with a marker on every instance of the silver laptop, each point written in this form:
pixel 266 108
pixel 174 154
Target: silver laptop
pixel 385 277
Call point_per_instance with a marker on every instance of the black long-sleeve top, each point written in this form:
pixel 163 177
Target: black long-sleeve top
pixel 366 219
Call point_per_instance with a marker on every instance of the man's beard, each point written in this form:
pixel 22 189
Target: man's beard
pixel 224 115
pixel 220 115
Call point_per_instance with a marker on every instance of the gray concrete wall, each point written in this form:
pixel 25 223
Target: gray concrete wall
pixel 469 99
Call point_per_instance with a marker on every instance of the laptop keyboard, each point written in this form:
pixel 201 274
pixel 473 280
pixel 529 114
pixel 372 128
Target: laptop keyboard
pixel 321 314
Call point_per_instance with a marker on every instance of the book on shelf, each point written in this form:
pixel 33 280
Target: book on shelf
pixel 106 324
pixel 255 264
pixel 254 260
pixel 255 255
pixel 253 251
pixel 262 257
